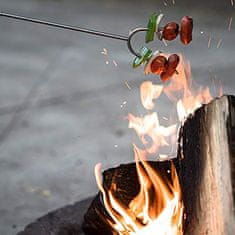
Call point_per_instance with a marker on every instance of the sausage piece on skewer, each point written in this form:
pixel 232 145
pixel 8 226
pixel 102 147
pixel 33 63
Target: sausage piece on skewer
pixel 171 66
pixel 186 30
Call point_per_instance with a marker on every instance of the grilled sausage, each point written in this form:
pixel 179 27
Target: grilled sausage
pixel 171 66
pixel 186 30
pixel 170 31
pixel 158 64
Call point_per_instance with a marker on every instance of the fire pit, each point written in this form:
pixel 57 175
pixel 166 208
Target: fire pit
pixel 65 221
pixel 74 219
pixel 191 194
pixel 207 182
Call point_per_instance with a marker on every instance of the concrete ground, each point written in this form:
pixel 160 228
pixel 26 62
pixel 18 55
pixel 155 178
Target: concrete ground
pixel 61 99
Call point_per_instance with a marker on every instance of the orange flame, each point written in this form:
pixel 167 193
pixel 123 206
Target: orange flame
pixel 149 126
pixel 158 207
pixel 188 99
pixel 148 92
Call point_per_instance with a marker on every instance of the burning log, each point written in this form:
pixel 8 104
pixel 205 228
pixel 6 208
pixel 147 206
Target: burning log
pixel 205 165
pixel 125 178
pixel 207 168
pixel 69 220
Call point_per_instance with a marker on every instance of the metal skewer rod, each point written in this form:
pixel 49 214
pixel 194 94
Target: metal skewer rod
pixel 68 27
pixel 81 29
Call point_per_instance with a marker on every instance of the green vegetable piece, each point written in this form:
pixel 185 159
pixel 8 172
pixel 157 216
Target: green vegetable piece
pixel 137 62
pixel 145 54
pixel 151 28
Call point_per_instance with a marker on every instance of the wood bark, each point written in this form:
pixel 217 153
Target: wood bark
pixel 207 168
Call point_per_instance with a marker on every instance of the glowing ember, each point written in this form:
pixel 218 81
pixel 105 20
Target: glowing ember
pixel 158 207
pixel 230 23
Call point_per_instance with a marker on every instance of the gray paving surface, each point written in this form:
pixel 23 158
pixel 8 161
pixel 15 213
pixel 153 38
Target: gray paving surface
pixel 60 102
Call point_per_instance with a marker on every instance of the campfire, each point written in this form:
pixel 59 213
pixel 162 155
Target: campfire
pixel 168 196
pixel 182 179
pixel 158 206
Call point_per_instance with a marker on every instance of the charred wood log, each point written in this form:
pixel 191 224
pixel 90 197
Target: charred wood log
pixel 126 180
pixel 207 168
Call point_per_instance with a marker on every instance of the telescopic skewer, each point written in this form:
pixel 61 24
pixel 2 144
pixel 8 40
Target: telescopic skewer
pixel 81 29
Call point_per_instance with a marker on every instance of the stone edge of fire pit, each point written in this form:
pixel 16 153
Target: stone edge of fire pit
pixel 64 221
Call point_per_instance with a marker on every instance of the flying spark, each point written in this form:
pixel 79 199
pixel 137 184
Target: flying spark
pixel 165 43
pixel 104 52
pixel 209 42
pixel 115 63
pixel 127 85
pixel 230 24
pixel 123 103
pixel 219 43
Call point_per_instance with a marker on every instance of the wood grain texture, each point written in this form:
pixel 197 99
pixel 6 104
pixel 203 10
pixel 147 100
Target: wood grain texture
pixel 206 155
